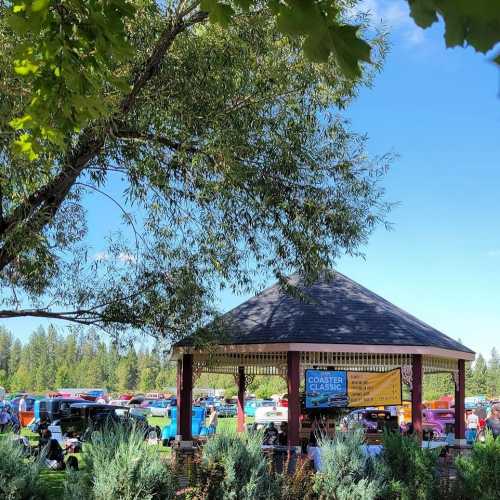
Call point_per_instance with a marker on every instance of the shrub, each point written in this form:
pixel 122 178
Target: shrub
pixel 19 478
pixel 237 469
pixel 479 473
pixel 347 473
pixel 120 464
pixel 410 471
pixel 298 484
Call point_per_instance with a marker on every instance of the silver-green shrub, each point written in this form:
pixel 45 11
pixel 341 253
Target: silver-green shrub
pixel 19 476
pixel 347 473
pixel 119 464
pixel 237 468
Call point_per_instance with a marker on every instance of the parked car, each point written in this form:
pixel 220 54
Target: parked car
pixel 226 410
pixel 372 421
pixel 159 408
pixel 198 425
pixel 252 405
pixel 52 409
pixel 438 422
pixel 264 415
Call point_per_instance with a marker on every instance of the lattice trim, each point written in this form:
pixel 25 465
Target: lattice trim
pixel 275 363
pixel 354 361
pixel 433 364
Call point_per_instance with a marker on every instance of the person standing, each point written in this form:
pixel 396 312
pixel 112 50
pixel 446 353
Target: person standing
pixel 22 404
pixel 4 419
pixel 493 421
pixel 472 422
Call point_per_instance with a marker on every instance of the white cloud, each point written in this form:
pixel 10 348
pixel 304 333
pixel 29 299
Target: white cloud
pixel 101 256
pixel 493 253
pixel 126 258
pixel 394 15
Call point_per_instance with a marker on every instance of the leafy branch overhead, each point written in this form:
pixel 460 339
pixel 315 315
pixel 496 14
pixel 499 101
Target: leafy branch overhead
pixel 69 50
pixel 225 159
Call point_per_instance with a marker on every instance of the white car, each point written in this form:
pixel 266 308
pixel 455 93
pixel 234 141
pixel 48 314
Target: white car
pixel 159 408
pixel 267 414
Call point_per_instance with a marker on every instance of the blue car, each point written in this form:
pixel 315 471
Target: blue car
pixel 198 425
pixel 253 404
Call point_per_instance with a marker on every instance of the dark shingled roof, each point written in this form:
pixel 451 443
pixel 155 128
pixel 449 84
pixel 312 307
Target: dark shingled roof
pixel 339 311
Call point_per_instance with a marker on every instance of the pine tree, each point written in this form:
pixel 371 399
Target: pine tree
pixel 480 376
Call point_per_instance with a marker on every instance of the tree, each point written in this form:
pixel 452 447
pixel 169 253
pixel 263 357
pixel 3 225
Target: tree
pixel 494 374
pixel 78 45
pixel 127 374
pixel 233 156
pixel 480 376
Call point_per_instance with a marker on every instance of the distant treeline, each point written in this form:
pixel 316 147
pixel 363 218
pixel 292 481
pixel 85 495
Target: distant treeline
pixel 50 360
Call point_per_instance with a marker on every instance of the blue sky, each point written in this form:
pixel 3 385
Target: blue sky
pixel 439 110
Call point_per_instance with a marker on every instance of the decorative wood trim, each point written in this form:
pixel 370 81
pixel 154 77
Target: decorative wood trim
pixel 339 348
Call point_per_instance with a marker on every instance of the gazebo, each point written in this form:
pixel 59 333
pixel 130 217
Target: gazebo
pixel 334 323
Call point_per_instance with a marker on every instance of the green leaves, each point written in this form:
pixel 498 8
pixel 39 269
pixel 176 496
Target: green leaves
pixel 69 55
pixel 323 33
pixel 475 23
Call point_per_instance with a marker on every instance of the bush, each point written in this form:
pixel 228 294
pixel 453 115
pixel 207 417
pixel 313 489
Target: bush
pixel 19 478
pixel 299 484
pixel 237 469
pixel 120 464
pixel 347 472
pixel 410 471
pixel 479 473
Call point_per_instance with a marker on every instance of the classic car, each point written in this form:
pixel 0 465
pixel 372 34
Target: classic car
pixel 438 422
pixel 198 425
pixel 159 408
pixel 226 410
pixel 372 421
pixel 252 405
pixel 52 409
pixel 267 414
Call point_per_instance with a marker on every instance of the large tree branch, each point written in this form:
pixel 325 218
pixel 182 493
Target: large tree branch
pixel 41 206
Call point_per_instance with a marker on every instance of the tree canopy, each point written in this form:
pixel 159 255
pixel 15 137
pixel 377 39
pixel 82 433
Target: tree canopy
pixel 70 50
pixel 228 159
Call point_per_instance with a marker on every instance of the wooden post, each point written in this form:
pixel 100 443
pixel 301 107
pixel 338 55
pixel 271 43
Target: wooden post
pixel 293 377
pixel 416 394
pixel 240 425
pixel 184 396
pixel 460 403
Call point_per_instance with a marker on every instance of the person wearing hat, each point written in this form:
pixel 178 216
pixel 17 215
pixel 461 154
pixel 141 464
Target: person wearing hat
pixel 493 422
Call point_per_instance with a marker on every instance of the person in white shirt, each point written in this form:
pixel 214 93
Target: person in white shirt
pixel 472 421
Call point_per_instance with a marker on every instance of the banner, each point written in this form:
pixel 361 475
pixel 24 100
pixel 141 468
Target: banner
pixel 341 389
pixel 374 388
pixel 326 389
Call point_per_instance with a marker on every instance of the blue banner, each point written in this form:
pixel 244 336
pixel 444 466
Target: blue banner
pixel 326 389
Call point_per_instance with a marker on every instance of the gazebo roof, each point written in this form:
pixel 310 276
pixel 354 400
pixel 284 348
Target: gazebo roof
pixel 338 311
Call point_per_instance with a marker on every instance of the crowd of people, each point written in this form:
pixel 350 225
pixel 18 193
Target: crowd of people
pixel 478 420
pixel 8 420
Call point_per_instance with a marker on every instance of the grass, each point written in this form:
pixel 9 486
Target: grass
pixel 53 480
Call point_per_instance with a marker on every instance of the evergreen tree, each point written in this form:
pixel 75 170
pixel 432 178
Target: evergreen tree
pixel 494 374
pixel 480 376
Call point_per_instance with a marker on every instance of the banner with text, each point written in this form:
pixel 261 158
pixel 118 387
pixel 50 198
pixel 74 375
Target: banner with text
pixel 374 388
pixel 342 389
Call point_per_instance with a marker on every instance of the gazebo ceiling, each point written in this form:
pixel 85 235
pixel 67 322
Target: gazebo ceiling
pixel 338 311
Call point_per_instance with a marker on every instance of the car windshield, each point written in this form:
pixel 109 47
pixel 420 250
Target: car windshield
pixel 373 416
